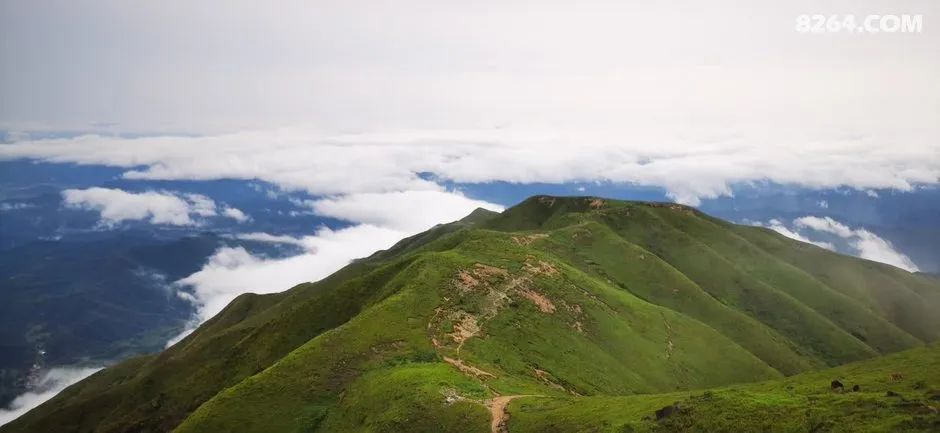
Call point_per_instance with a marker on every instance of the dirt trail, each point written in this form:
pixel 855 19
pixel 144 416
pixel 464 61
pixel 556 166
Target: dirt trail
pixel 498 414
pixel 467 368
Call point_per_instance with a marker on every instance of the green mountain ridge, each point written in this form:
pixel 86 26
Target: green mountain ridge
pixel 599 311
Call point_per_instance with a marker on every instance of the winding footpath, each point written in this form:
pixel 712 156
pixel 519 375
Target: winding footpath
pixel 498 414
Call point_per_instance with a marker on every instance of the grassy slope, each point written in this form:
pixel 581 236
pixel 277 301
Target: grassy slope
pixel 155 393
pixel 554 297
pixel 842 310
pixel 799 403
pixel 727 280
pixel 908 300
pixel 632 268
pixel 621 335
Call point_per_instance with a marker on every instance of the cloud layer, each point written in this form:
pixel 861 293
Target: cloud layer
pixel 867 244
pixel 50 383
pixel 333 164
pixel 860 242
pixel 116 206
pixel 779 227
pixel 406 211
pixel 691 99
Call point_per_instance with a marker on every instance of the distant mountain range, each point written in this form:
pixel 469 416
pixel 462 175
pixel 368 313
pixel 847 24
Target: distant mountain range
pixel 559 314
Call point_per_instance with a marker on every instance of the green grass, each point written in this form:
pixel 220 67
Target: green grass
pixel 724 278
pixel 800 403
pixel 608 309
pixel 409 398
pixel 595 247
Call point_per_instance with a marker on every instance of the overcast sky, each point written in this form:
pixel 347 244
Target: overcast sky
pixel 350 98
pixel 685 67
pixel 357 102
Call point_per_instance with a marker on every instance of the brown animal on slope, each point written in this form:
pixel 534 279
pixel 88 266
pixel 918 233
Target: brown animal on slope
pixel 837 386
pixel 895 377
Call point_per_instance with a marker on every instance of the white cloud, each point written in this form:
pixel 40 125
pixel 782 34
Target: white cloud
pixel 116 205
pixel 873 247
pixel 235 214
pixel 866 244
pixel 407 211
pixel 233 271
pixel 7 207
pixel 300 202
pixel 157 207
pixel 778 226
pixel 325 164
pixel 268 238
pixel 825 224
pixel 201 205
pixel 50 383
pixel 861 242
pixel 597 101
pixel 380 221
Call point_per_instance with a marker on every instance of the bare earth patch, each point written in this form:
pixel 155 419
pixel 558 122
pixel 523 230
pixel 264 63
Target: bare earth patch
pixel 572 308
pixel 467 368
pixel 496 285
pixel 465 328
pixel 481 279
pixel 669 345
pixel 487 271
pixel 540 268
pixel 451 396
pixel 546 377
pixel 544 304
pixel 528 239
pixel 499 415
pixel 466 282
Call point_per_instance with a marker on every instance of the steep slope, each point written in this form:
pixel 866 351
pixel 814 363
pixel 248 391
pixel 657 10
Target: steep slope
pixel 554 297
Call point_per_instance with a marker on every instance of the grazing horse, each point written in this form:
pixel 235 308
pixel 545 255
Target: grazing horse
pixel 895 377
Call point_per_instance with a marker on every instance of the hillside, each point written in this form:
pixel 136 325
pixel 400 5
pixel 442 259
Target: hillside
pixel 801 403
pixel 73 302
pixel 605 310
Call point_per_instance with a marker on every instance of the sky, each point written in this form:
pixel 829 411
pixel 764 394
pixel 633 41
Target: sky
pixel 374 110
pixel 377 109
pixel 695 69
pixel 685 95
pixel 368 106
